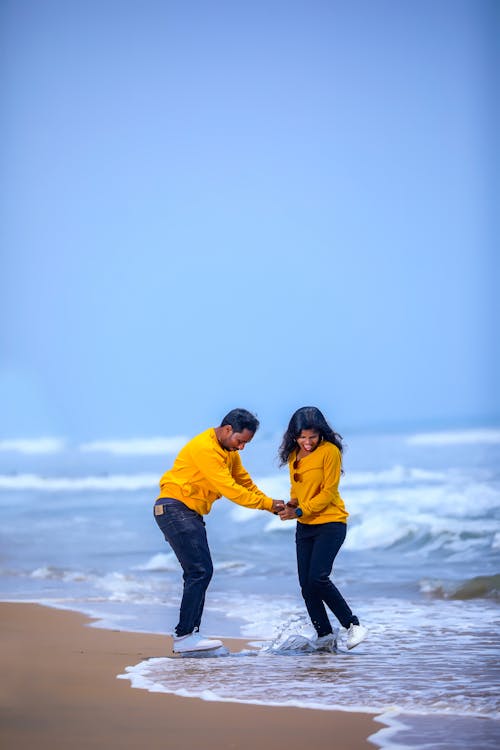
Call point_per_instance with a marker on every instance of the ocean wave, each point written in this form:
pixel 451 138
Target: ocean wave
pixel 352 680
pixel 233 567
pixel 164 561
pixel 257 614
pixel 76 484
pixel 52 573
pixel 458 517
pixel 278 485
pixel 485 436
pixel 423 535
pixel 479 587
pixel 33 445
pixel 136 446
pixel 160 562
pixel 107 587
pixel 397 475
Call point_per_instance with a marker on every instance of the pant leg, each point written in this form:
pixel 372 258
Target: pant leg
pixel 184 530
pixel 327 541
pixel 314 604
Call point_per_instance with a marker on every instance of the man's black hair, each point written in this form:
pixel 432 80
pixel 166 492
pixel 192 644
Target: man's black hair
pixel 241 419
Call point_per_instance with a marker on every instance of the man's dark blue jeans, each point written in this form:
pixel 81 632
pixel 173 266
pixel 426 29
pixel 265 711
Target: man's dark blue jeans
pixel 184 530
pixel 317 547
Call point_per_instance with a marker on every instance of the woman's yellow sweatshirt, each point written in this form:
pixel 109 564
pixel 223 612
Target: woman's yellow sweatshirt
pixel 204 471
pixel 314 484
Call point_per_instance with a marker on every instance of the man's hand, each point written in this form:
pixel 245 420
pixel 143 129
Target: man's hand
pixel 278 506
pixel 288 512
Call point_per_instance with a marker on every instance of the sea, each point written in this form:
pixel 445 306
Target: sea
pixel 420 567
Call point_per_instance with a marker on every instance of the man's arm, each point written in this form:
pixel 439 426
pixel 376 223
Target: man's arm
pixel 241 476
pixel 220 479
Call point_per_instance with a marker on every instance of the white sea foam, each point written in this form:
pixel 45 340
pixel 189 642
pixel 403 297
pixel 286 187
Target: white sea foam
pixel 136 446
pixel 260 616
pixel 351 680
pixel 160 562
pixel 458 437
pixel 124 588
pixel 397 475
pixel 33 445
pixel 233 567
pixel 275 524
pixel 275 485
pixel 458 516
pixel 454 516
pixel 278 485
pixel 150 675
pixel 49 572
pixel 75 484
pixel 84 586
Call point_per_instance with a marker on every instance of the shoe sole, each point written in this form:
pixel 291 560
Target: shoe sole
pixel 196 650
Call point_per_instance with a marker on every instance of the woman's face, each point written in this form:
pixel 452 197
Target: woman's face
pixel 308 440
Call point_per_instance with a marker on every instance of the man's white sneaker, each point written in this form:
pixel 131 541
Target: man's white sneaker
pixel 194 642
pixel 355 635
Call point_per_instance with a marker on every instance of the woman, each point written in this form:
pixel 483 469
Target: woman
pixel 313 452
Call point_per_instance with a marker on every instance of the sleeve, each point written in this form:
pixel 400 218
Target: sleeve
pixel 238 488
pixel 329 487
pixel 241 476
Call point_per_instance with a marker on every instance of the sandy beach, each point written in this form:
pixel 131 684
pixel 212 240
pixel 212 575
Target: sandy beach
pixel 59 689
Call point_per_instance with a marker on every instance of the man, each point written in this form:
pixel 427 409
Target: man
pixel 206 468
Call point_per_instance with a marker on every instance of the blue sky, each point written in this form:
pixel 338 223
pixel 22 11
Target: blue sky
pixel 266 204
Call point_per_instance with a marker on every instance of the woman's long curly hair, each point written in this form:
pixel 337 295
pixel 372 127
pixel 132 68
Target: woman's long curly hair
pixel 306 418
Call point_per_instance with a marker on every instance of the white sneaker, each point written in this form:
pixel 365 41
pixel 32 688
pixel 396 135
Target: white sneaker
pixel 355 635
pixel 326 642
pixel 194 642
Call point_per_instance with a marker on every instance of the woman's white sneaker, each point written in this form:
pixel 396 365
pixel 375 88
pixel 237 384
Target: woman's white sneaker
pixel 355 635
pixel 194 642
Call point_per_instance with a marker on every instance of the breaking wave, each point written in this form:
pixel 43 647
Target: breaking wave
pixel 77 484
pixel 136 446
pixel 479 587
pixel 457 437
pixel 33 446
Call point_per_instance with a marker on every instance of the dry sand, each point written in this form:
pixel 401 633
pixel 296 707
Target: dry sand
pixel 58 691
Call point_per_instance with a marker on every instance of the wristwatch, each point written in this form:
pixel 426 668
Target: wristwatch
pixel 299 512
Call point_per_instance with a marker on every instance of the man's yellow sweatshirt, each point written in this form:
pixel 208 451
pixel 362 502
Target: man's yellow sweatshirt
pixel 204 471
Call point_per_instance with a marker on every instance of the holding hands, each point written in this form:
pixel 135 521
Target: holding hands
pixel 288 511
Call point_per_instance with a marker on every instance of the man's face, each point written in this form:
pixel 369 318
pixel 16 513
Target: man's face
pixel 235 441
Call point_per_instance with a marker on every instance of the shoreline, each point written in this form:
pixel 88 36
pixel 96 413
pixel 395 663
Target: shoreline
pixel 61 689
